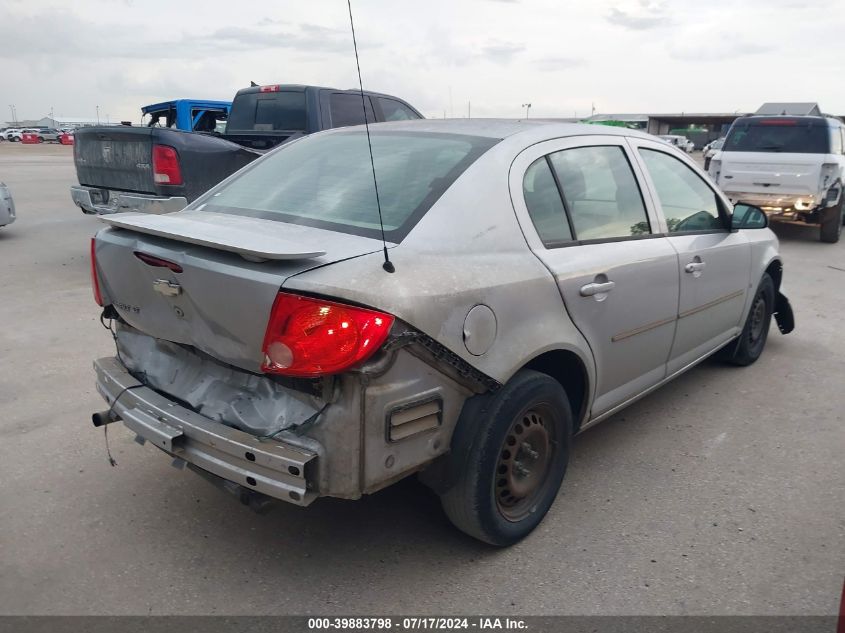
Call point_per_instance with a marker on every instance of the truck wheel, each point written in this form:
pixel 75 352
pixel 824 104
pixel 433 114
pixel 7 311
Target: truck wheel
pixel 752 340
pixel 518 451
pixel 831 228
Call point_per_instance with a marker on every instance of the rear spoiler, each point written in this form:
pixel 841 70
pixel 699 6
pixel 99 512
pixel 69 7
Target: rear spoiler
pixel 253 239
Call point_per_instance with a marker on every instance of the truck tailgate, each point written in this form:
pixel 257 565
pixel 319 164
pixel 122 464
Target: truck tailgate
pixel 771 173
pixel 118 158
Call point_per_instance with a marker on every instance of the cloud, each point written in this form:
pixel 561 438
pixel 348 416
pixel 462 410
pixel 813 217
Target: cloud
pixel 501 52
pixel 728 48
pixel 640 16
pixel 555 63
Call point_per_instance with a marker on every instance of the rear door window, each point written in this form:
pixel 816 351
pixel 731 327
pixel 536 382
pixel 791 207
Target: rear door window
pixel 544 204
pixel 600 192
pixel 346 109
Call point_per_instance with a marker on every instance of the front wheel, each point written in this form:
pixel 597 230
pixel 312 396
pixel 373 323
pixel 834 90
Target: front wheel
pixel 752 340
pixel 516 461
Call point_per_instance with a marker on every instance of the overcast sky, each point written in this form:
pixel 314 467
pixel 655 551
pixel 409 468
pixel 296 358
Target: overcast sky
pixel 561 56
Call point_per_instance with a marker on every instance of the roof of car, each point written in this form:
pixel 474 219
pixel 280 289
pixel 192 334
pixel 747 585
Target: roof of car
pixel 504 128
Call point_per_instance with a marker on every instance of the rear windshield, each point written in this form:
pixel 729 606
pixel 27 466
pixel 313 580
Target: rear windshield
pixel 793 135
pixel 326 181
pixel 267 112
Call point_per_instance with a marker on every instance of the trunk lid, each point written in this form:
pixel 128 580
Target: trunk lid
pixel 194 280
pixel 770 173
pixel 116 157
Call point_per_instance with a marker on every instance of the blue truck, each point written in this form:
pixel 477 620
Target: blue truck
pixel 190 115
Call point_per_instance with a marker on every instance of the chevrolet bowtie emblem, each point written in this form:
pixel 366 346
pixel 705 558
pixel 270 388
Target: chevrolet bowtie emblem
pixel 167 288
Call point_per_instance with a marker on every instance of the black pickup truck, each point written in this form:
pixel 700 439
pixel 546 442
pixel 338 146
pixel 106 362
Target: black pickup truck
pixel 158 170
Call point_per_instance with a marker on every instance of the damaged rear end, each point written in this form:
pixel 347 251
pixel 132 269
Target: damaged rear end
pixel 269 392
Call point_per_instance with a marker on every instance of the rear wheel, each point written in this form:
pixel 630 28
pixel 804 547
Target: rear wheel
pixel 517 460
pixel 831 229
pixel 748 348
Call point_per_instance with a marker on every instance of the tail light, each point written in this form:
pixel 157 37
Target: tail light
pixel 310 337
pixel 95 282
pixel 828 175
pixel 715 169
pixel 166 170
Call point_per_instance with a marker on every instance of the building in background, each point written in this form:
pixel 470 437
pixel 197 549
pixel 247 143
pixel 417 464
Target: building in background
pixel 57 122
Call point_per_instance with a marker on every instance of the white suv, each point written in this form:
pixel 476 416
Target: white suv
pixel 792 167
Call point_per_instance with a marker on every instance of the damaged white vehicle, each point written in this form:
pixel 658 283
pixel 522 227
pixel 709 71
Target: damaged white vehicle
pixel 540 278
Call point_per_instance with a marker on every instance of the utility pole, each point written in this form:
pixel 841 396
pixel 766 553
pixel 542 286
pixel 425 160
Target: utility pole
pixel 527 107
pixel 98 115
pixel 593 110
pixel 469 109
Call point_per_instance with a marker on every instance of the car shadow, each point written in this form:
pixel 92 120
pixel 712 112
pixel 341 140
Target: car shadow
pixel 795 232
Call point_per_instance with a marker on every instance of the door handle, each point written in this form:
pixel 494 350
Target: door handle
pixel 593 289
pixel 694 267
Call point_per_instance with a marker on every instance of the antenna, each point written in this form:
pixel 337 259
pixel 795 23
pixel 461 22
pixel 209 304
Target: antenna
pixel 387 265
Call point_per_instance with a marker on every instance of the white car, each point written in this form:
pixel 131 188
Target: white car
pixel 681 142
pixel 15 134
pixel 712 147
pixel 793 167
pixel 7 206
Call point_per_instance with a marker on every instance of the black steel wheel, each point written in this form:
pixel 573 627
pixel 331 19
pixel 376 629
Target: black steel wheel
pixel 752 340
pixel 512 459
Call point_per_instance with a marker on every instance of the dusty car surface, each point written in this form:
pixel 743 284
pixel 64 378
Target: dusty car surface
pixel 545 276
pixel 7 206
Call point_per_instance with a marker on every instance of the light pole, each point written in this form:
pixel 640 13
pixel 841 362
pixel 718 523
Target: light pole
pixel 14 114
pixel 527 107
pixel 98 115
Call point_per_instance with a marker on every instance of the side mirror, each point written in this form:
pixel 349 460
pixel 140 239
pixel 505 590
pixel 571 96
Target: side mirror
pixel 747 216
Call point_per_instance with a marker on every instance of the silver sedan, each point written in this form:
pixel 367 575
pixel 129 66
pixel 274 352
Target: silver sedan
pixel 298 333
pixel 7 206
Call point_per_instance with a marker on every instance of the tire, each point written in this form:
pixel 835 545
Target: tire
pixel 518 450
pixel 831 228
pixel 40 139
pixel 748 348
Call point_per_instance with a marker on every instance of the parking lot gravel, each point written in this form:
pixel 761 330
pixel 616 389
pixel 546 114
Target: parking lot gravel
pixel 721 493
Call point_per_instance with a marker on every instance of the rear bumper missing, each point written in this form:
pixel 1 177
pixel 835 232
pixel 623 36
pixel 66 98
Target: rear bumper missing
pixel 104 202
pixel 276 469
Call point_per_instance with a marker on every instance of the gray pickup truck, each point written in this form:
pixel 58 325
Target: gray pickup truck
pixel 159 170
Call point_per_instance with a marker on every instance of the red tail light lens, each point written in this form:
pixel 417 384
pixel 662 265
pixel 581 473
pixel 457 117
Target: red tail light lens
pixel 95 282
pixel 166 170
pixel 310 337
